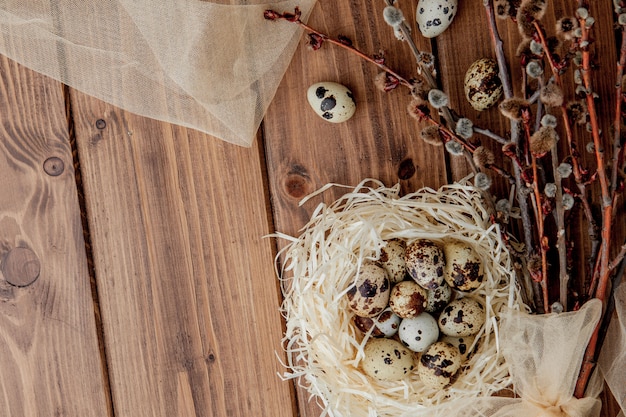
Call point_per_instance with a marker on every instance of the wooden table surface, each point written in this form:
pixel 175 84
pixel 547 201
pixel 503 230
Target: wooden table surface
pixel 145 285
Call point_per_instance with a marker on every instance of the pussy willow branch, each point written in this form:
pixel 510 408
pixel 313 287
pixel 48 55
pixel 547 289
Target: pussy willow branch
pixel 608 195
pixel 559 216
pixel 277 15
pixel 618 148
pixel 573 151
pixel 539 217
pixel 422 69
pixel 497 44
pixel 468 147
pixel 618 258
pixel 406 33
pixel 515 135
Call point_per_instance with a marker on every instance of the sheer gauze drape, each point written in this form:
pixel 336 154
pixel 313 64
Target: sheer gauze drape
pixel 208 65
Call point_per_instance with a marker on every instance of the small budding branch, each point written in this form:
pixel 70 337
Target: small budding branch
pixel 529 143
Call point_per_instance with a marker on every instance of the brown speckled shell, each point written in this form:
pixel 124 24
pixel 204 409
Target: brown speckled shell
pixel 464 269
pixel 369 295
pixel 438 298
pixel 439 364
pixel 463 317
pixel 425 263
pixel 463 343
pixel 482 84
pixel 408 299
pixel 386 324
pixel 387 359
pixel 392 260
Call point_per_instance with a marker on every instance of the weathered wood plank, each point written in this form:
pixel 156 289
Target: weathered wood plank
pixel 49 356
pixel 187 289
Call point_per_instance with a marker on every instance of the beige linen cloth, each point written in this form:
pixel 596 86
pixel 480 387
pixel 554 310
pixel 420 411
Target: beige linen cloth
pixel 209 65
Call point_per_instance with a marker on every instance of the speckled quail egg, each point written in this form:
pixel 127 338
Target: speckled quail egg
pixel 462 317
pixel 425 263
pixel 438 365
pixel 407 299
pixel 392 259
pixel 464 269
pixel 331 101
pixel 463 344
pixel 386 324
pixel 387 359
pixel 418 333
pixel 438 297
pixel 434 16
pixel 369 295
pixel 482 84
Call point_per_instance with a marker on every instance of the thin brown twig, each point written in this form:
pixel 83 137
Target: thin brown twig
pixel 467 146
pixel 515 135
pixel 423 70
pixel 496 41
pixel 618 258
pixel 277 15
pixel 603 271
pixel 543 250
pixel 617 124
pixel 559 216
pixel 577 170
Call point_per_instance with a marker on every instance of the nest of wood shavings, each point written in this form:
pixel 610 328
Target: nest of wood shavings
pixel 324 348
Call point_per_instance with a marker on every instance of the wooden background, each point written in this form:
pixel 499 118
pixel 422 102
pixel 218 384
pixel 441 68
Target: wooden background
pixel 135 279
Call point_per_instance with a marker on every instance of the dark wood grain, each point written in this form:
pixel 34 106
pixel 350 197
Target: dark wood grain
pixel 49 356
pixel 187 289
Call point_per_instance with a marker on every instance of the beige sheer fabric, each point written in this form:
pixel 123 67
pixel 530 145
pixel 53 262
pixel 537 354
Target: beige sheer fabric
pixel 544 354
pixel 612 360
pixel 208 65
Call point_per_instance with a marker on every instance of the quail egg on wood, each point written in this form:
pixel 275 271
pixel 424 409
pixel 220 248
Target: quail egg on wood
pixel 386 324
pixel 331 101
pixel 438 365
pixel 464 269
pixel 407 299
pixel 369 295
pixel 462 317
pixel 392 259
pixel 418 333
pixel 438 297
pixel 434 16
pixel 387 359
pixel 482 84
pixel 425 263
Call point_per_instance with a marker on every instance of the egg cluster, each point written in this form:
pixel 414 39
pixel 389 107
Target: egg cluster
pixel 417 305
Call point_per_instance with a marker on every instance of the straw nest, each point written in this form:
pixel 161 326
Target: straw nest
pixel 324 348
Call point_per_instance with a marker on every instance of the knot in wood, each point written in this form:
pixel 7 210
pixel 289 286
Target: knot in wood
pixel 406 169
pixel 21 267
pixel 54 166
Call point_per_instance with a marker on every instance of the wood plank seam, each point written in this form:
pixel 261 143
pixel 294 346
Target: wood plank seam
pixel 80 195
pixel 449 170
pixel 271 213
